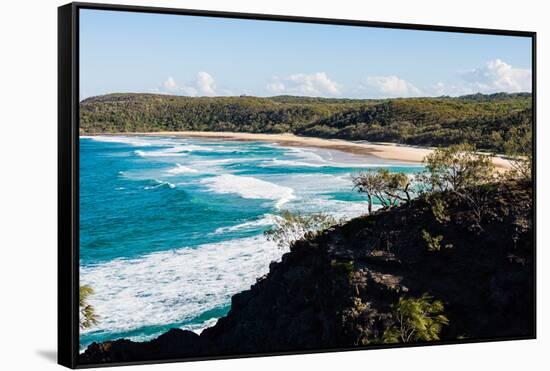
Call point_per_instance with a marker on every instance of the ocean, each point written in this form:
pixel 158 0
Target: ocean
pixel 171 228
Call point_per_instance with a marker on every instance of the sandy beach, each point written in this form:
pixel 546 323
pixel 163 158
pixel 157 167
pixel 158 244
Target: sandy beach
pixel 387 151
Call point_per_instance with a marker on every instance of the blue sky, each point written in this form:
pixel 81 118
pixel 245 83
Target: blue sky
pixel 203 56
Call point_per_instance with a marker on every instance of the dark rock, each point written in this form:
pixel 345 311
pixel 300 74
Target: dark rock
pixel 173 344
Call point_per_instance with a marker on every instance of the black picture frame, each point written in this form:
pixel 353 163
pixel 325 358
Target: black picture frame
pixel 68 165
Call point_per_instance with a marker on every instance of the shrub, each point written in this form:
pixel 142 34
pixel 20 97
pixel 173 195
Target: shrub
pixel 416 319
pixel 439 210
pixel 433 243
pixel 88 318
pixel 291 227
pixel 343 267
pixel 518 149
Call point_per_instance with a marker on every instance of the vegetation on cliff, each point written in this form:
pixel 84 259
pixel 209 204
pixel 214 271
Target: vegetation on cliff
pixel 492 122
pixel 88 317
pixel 291 227
pixel 416 319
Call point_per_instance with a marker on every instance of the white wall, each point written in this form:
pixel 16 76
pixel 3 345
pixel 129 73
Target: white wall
pixel 28 60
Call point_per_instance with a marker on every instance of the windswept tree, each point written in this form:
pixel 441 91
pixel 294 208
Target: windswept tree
pixel 464 172
pixel 518 148
pixel 88 318
pixel 456 167
pixel 369 183
pixel 389 189
pixel 416 319
pixel 291 227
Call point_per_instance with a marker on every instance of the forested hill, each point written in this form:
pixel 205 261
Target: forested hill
pixel 488 121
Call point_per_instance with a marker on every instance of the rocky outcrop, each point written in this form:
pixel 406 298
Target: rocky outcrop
pixel 339 288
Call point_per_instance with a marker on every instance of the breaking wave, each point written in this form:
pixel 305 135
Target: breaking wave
pixel 250 187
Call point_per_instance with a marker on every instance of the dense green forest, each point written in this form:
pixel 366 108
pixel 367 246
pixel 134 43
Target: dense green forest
pixel 491 122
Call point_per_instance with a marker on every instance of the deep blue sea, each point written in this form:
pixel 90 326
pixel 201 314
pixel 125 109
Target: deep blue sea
pixel 171 228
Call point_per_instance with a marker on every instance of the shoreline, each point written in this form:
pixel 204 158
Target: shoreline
pixel 385 151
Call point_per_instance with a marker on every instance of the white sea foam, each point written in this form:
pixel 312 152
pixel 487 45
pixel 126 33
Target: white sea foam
pixel 334 164
pixel 160 183
pixel 179 150
pixel 181 169
pixel 174 286
pixel 225 161
pixel 307 154
pixel 202 167
pixel 182 149
pixel 197 328
pixel 267 220
pixel 130 140
pixel 219 161
pixel 173 146
pixel 326 163
pixel 309 157
pixel 313 184
pixel 291 163
pixel 250 187
pixel 200 327
pixel 313 194
pixel 341 210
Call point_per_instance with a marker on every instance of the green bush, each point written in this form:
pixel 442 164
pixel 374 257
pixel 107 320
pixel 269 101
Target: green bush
pixel 416 319
pixel 291 227
pixel 433 243
pixel 343 267
pixel 439 210
pixel 88 318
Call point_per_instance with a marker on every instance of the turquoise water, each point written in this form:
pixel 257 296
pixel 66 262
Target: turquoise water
pixel 171 228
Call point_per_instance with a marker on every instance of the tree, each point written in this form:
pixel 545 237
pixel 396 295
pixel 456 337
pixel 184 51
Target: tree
pixel 439 208
pixel 369 183
pixel 291 227
pixel 390 189
pixel 456 168
pixel 518 148
pixel 88 318
pixel 416 319
pixel 463 172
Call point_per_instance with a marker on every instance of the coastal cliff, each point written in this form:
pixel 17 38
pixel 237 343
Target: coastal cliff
pixel 340 287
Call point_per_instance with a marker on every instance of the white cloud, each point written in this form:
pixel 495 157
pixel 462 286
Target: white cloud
pixel 497 76
pixel 203 85
pixel 276 87
pixel 439 89
pixel 391 86
pixel 494 77
pixel 170 84
pixel 315 84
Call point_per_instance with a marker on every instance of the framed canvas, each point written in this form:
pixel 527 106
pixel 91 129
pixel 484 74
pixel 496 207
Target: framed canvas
pixel 236 185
